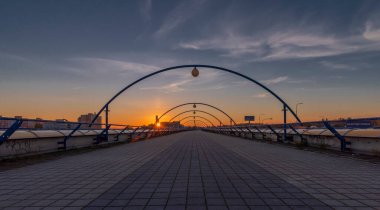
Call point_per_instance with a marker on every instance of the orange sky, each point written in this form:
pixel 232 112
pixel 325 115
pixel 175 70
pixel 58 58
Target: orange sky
pixel 140 105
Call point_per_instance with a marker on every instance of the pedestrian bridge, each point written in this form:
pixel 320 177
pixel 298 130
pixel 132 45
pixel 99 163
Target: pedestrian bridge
pixel 216 166
pixel 31 142
pixel 194 170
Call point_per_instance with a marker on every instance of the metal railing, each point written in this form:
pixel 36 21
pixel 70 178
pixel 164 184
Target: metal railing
pixel 286 136
pixel 8 126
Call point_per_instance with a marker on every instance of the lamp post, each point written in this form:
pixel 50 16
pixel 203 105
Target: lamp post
pixel 260 117
pixel 297 107
pixel 266 119
pixel 157 124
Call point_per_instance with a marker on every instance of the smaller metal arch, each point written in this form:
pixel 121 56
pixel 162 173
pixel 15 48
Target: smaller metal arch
pixel 197 116
pixel 184 104
pixel 196 121
pixel 197 110
pixel 191 124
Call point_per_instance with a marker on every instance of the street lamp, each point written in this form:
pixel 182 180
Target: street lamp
pixel 195 72
pixel 260 117
pixel 266 119
pixel 297 107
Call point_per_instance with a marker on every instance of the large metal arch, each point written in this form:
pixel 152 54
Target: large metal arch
pixel 197 110
pixel 197 116
pixel 286 106
pixel 198 103
pixel 196 121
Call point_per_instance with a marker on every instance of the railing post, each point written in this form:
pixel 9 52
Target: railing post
pixel 68 136
pixel 341 138
pixel 8 133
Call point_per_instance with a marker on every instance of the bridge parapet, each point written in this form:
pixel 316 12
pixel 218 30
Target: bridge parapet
pixel 30 142
pixel 360 141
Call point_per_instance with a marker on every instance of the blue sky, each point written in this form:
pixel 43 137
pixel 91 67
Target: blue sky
pixel 59 59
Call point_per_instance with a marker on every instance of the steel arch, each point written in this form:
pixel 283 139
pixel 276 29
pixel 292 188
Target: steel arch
pixel 214 107
pixel 197 116
pixel 196 121
pixel 286 106
pixel 197 110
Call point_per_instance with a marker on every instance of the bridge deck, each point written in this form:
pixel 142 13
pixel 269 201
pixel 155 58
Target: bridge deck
pixel 194 170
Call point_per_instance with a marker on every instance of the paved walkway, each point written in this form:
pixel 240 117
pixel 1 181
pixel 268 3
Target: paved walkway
pixel 194 170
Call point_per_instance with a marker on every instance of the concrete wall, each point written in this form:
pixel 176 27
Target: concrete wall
pixel 365 141
pixel 23 143
pixel 37 142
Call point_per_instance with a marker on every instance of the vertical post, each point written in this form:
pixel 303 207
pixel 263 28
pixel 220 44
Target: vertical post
pixel 157 127
pixel 285 123
pixel 107 110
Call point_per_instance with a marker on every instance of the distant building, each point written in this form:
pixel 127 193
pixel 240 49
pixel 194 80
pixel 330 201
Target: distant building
pixel 59 124
pixel 87 118
pixel 26 124
pixel 5 123
pixel 174 124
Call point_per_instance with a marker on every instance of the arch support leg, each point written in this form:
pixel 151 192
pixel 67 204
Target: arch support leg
pixel 285 127
pixel 107 127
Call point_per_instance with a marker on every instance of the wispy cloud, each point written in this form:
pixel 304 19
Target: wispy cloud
pixel 261 95
pixel 145 9
pixel 14 57
pixel 293 44
pixel 170 88
pixel 230 44
pixel 180 14
pixel 337 66
pixel 299 81
pixel 275 80
pixel 103 65
pixel 371 32
pixel 208 80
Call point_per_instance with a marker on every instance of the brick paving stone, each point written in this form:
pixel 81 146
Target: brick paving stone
pixel 337 181
pixel 194 170
pixel 79 177
pixel 196 173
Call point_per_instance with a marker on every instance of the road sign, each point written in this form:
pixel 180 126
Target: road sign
pixel 249 118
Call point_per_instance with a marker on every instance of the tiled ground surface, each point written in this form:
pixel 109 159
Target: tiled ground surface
pixel 339 181
pixel 74 181
pixel 194 170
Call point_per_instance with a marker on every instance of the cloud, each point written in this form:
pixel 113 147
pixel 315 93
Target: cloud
pixel 189 46
pixel 262 95
pixel 180 14
pixel 300 81
pixel 14 57
pixel 275 80
pixel 178 81
pixel 145 9
pixel 337 66
pixel 371 32
pixel 102 65
pixel 292 44
pixel 230 44
pixel 170 88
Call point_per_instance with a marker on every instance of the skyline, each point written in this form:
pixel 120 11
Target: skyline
pixel 63 59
